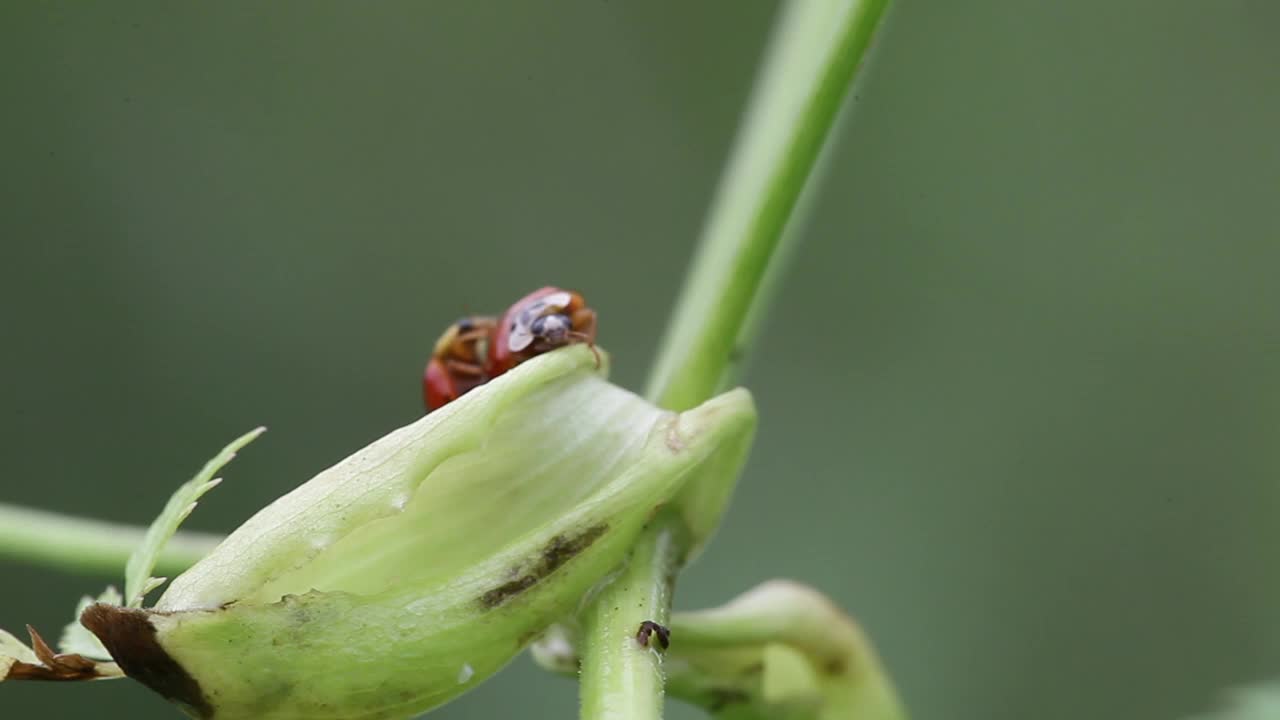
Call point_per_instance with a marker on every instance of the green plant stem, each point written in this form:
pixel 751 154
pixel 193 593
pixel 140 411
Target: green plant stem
pixel 622 680
pixel 816 50
pixel 90 546
pixel 814 55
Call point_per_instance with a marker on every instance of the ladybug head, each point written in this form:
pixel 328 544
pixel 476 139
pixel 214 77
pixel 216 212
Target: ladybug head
pixel 552 329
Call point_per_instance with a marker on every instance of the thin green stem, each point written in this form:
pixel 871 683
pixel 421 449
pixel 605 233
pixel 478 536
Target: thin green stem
pixel 90 546
pixel 816 50
pixel 815 55
pixel 621 678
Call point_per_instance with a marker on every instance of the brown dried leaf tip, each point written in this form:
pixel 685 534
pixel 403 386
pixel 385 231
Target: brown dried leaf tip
pixel 56 667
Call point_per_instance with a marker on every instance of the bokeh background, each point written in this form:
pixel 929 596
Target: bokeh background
pixel 1019 398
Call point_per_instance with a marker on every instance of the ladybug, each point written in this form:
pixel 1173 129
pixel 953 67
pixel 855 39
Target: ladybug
pixel 543 320
pixel 457 363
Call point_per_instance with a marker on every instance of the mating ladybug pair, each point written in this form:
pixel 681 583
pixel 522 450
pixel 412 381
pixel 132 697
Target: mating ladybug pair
pixel 477 349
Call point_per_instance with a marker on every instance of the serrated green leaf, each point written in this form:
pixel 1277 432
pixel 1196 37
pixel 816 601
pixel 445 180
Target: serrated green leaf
pixel 137 577
pixel 76 639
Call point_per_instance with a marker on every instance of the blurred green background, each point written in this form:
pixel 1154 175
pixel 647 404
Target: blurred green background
pixel 1020 397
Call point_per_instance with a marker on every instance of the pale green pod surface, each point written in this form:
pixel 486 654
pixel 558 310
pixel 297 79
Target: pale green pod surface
pixel 781 650
pixel 414 569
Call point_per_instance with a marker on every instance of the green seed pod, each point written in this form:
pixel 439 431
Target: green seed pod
pixel 417 567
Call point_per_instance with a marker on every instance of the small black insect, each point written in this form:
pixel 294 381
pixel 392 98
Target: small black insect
pixel 650 628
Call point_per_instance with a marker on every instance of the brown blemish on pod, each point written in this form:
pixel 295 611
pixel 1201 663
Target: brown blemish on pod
pixel 558 551
pixel 129 636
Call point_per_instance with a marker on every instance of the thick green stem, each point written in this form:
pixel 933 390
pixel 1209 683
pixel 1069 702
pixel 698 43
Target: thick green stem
pixel 621 678
pixel 91 546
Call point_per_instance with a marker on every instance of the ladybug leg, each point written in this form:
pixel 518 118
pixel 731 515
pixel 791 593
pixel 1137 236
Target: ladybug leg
pixel 591 345
pixel 465 347
pixel 479 332
pixel 462 367
pixel 472 335
pixel 583 322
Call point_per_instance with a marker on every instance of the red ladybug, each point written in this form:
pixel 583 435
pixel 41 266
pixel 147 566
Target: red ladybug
pixel 543 320
pixel 457 363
